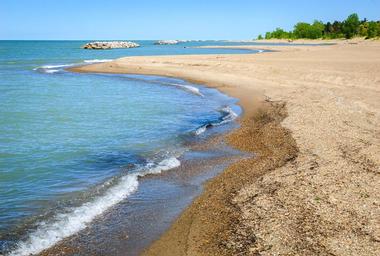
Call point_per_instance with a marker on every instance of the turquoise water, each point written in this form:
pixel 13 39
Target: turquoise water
pixel 74 145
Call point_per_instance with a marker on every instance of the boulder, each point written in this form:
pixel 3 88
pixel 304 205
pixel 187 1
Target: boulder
pixel 162 42
pixel 110 45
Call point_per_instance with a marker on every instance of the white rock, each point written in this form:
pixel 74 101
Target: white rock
pixel 162 42
pixel 110 45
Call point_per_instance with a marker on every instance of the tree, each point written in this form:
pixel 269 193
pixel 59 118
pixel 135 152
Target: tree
pixel 301 30
pixel 279 33
pixel 351 26
pixel 337 27
pixel 305 30
pixel 372 29
pixel 336 30
pixel 260 37
pixel 363 29
pixel 317 29
pixel 328 28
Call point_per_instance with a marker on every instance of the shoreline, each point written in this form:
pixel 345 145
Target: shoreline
pixel 299 215
pixel 67 245
pixel 181 185
pixel 210 225
pixel 260 125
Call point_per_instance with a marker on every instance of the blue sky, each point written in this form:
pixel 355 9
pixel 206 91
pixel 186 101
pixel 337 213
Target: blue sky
pixel 166 19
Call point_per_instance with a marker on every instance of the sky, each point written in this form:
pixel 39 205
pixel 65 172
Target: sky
pixel 167 19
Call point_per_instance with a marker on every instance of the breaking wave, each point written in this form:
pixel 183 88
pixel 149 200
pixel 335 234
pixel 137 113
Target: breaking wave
pixel 188 88
pixel 63 225
pixel 50 69
pixel 228 116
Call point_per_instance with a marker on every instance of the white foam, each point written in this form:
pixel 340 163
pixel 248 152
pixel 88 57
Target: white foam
pixel 193 89
pixel 66 224
pixel 189 88
pixel 229 111
pixel 50 71
pixel 231 115
pixel 200 130
pixel 56 66
pixel 97 61
pixel 164 165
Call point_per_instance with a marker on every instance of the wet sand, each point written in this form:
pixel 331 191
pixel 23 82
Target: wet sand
pixel 312 117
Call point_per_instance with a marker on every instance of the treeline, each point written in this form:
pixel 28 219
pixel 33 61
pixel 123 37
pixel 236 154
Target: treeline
pixel 349 28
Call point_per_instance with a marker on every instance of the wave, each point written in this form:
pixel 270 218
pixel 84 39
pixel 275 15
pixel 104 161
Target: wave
pixel 186 87
pixel 76 219
pixel 55 66
pixel 50 69
pixel 47 70
pixel 202 129
pixel 189 88
pixel 229 116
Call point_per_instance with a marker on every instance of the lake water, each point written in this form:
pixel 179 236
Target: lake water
pixel 73 146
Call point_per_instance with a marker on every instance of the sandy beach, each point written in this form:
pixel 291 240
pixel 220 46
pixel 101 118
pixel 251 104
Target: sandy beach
pixel 312 118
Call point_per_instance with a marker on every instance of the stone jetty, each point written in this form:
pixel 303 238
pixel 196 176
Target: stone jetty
pixel 110 45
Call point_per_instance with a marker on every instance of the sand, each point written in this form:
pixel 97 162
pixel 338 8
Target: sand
pixel 312 116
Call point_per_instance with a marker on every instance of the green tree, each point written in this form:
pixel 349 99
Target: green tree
pixel 372 29
pixel 260 37
pixel 351 25
pixel 317 29
pixel 337 27
pixel 363 29
pixel 336 30
pixel 349 28
pixel 279 33
pixel 305 30
pixel 301 30
pixel 328 29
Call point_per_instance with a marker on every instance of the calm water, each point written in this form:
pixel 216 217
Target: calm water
pixel 74 145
